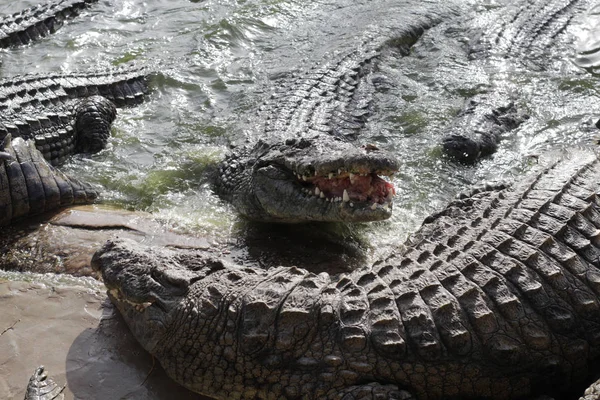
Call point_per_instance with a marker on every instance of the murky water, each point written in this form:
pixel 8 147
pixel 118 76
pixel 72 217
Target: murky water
pixel 219 58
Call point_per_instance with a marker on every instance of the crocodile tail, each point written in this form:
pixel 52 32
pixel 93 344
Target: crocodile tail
pixel 29 185
pixel 39 21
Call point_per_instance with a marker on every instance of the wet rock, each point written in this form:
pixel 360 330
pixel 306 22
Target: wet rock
pixel 66 242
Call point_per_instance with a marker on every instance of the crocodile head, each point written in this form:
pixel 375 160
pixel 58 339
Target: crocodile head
pixel 145 292
pixel 150 287
pixel 318 178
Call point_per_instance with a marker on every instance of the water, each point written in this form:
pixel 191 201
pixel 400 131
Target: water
pixel 219 58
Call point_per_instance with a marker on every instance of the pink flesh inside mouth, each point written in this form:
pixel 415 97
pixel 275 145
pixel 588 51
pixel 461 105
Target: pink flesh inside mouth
pixel 358 188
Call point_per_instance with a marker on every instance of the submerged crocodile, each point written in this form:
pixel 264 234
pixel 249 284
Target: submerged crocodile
pixel 522 32
pixel 497 297
pixel 58 113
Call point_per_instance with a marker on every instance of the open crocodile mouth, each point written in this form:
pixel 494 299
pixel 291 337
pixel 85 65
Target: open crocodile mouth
pixel 366 188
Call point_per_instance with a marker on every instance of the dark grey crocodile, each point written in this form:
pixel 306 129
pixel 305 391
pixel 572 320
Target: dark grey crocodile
pixel 495 297
pixel 521 33
pixel 60 113
pixel 307 166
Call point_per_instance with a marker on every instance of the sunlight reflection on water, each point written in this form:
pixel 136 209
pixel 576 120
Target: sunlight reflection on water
pixel 217 58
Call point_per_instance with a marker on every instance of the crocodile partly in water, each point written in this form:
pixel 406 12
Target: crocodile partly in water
pixel 495 297
pixel 309 164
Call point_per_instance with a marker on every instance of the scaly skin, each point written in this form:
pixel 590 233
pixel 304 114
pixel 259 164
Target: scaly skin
pixel 478 128
pixel 496 297
pixel 68 113
pixel 41 387
pixel 29 185
pixel 291 181
pixel 324 108
pixel 39 21
pixel 521 33
pixel 58 113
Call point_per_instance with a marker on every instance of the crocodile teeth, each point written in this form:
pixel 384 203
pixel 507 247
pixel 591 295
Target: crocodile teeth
pixel 374 206
pixel 330 175
pixel 322 195
pixel 346 197
pixel 317 191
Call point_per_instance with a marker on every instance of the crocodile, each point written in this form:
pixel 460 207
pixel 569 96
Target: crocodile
pixel 307 165
pixel 45 118
pixel 522 32
pixel 495 297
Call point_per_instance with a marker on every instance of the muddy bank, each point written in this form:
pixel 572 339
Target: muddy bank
pixel 81 340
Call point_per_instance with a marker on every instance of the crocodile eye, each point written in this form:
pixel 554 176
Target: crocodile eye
pixel 169 281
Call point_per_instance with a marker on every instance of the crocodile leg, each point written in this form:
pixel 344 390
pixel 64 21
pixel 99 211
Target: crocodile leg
pixel 68 113
pixel 39 21
pixel 41 387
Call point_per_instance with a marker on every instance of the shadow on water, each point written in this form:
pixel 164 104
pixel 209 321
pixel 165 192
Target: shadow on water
pixel 317 247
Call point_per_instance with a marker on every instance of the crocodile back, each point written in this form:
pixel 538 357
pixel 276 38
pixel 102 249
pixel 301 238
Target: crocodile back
pixel 499 291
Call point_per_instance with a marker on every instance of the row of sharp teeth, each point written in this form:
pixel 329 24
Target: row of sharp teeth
pixel 331 175
pixel 346 198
